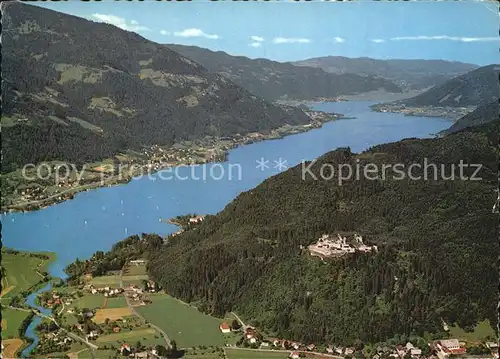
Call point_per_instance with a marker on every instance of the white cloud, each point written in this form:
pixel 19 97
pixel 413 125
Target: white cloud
pixel 195 33
pixel 256 44
pixel 257 38
pixel 164 32
pixel 291 40
pixel 378 41
pixel 445 37
pixel 338 39
pixel 119 22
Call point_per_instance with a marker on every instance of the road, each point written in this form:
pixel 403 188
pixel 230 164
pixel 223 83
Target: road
pixel 288 351
pixel 127 299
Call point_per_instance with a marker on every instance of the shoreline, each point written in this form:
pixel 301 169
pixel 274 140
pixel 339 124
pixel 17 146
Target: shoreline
pixel 279 133
pixel 449 113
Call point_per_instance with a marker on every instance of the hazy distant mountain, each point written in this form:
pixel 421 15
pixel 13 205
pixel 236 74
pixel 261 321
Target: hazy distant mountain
pixel 78 91
pixel 474 88
pixel 412 74
pixel 275 80
pixel 482 114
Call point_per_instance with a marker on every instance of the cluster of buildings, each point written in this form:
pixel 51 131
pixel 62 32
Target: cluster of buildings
pixel 59 338
pixel 106 291
pixel 138 295
pixel 326 246
pixel 196 219
pixel 128 351
pixel 56 299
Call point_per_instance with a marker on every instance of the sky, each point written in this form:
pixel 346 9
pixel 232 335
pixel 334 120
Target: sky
pixel 466 31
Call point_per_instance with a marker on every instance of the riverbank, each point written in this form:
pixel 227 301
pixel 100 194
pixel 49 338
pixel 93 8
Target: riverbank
pixel 45 185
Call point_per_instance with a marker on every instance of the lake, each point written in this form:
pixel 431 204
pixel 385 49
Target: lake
pixel 97 219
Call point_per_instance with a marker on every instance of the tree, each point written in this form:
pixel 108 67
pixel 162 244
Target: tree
pixel 235 324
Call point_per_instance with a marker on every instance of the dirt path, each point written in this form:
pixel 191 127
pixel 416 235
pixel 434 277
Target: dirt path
pixel 105 303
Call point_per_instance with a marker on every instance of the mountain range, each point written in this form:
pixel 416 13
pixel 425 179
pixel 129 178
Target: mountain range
pixel 408 74
pixel 274 80
pixel 474 88
pixel 80 91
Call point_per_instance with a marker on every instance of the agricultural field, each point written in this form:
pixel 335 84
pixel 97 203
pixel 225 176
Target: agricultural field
pixel 147 337
pixel 182 323
pixel 132 269
pixel 100 353
pixel 89 301
pixel 206 353
pixel 482 331
pixel 114 302
pixel 112 281
pixel 11 321
pixel 111 314
pixel 11 347
pixel 254 354
pixel 21 270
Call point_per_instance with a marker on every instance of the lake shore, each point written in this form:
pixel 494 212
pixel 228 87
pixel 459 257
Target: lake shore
pixel 215 150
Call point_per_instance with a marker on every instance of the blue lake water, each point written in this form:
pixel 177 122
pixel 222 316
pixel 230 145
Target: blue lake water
pixel 97 219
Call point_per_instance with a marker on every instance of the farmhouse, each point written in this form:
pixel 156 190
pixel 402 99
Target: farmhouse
pixel 447 347
pixel 225 328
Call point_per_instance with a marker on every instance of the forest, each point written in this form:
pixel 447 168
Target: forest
pixel 80 91
pixel 436 259
pixel 437 244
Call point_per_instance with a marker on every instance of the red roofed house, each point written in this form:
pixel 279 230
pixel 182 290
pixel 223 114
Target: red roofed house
pixel 225 328
pixel 294 355
pixel 447 347
pixel 116 329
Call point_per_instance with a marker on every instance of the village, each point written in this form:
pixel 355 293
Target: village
pixel 62 180
pixel 327 246
pixel 425 111
pixel 442 349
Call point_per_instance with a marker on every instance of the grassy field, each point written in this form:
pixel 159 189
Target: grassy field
pixel 115 302
pixel 148 337
pixel 185 324
pixel 480 333
pixel 101 354
pixel 11 321
pixel 107 280
pixel 89 301
pixel 20 271
pixel 112 314
pixel 132 269
pixel 254 354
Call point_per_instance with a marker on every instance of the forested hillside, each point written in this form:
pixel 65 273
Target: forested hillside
pixel 471 89
pixel 438 247
pixel 482 114
pixel 274 80
pixel 79 91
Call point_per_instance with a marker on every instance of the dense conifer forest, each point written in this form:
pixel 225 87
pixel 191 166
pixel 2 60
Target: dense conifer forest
pixel 437 247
